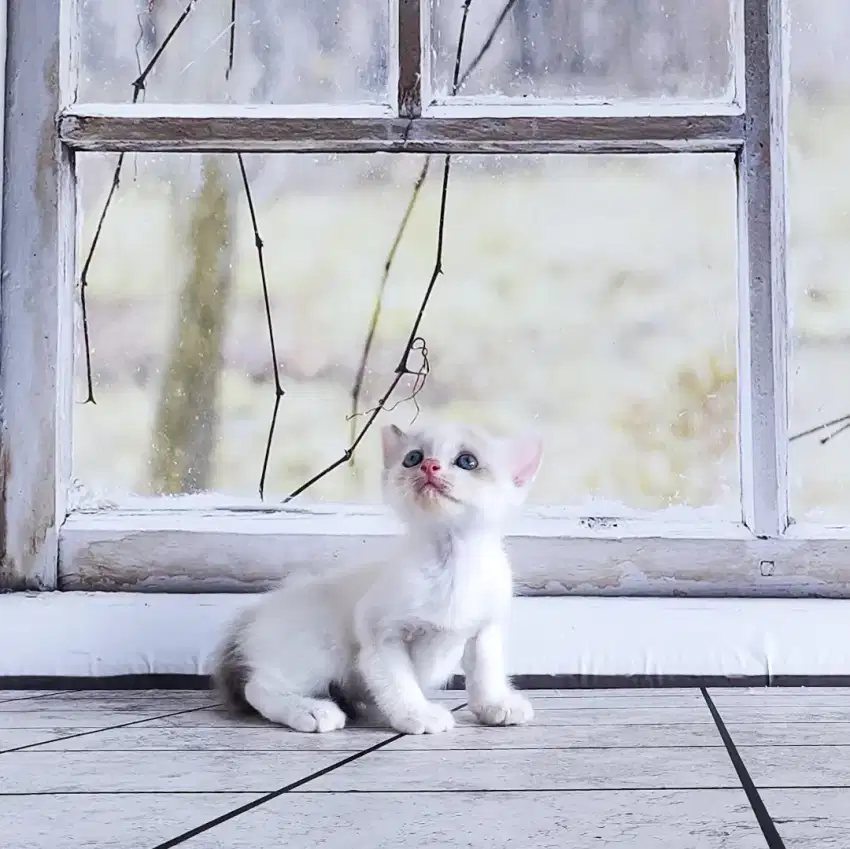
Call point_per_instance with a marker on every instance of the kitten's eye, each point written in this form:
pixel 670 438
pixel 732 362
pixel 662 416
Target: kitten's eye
pixel 412 458
pixel 466 461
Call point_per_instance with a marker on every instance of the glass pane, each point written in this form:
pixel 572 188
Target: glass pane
pixel 600 49
pixel 299 51
pixel 819 258
pixel 592 297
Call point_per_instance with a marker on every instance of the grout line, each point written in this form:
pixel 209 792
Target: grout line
pixel 454 790
pixel 423 749
pixel 623 789
pixel 268 797
pixel 98 730
pixel 767 825
pixel 32 698
pixel 51 793
pixel 239 750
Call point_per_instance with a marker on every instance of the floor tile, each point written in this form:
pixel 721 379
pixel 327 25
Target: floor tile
pixel 710 819
pixel 269 738
pixel 111 821
pixel 781 696
pixel 790 733
pixel 805 766
pixel 610 768
pixel 666 703
pixel 38 771
pixel 792 712
pixel 810 818
pixel 655 694
pixel 97 703
pixel 73 718
pixel 649 715
pixel 219 717
pixel 541 769
pixel 469 735
pixel 12 738
pixel 23 695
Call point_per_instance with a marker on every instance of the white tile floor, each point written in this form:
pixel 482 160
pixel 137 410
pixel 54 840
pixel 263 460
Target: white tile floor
pixel 646 769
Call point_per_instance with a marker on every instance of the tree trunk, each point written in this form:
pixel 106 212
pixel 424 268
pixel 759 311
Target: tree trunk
pixel 185 427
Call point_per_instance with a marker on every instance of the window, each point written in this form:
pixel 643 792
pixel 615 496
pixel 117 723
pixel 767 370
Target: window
pixel 614 252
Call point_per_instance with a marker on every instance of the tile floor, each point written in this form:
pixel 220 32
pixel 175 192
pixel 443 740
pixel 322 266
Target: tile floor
pixel 647 769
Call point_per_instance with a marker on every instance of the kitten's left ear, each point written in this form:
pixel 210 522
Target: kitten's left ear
pixel 392 438
pixel 525 455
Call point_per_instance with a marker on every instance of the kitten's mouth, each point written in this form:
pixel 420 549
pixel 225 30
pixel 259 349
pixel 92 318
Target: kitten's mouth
pixel 433 487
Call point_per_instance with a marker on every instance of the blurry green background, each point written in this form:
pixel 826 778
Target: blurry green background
pixel 591 297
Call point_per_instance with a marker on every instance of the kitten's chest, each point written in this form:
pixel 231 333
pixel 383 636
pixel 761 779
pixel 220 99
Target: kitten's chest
pixel 463 593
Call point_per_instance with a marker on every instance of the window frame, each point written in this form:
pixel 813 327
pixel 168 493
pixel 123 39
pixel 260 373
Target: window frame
pixel 556 552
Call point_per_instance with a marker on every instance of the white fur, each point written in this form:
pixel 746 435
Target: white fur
pixel 387 632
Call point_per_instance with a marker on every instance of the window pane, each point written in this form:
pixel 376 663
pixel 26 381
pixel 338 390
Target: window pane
pixel 601 49
pixel 299 51
pixel 819 259
pixel 591 297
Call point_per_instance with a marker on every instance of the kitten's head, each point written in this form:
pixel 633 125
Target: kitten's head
pixel 452 474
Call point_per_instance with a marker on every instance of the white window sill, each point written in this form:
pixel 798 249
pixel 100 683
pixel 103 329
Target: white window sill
pixel 108 634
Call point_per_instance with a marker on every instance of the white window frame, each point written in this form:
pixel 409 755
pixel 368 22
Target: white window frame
pixel 556 552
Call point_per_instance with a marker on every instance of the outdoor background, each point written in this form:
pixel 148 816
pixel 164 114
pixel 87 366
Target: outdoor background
pixel 590 297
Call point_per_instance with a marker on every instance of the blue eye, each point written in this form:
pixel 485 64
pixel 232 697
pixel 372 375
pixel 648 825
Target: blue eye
pixel 412 458
pixel 466 461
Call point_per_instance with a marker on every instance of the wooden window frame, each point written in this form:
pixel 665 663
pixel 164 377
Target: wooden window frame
pixel 556 552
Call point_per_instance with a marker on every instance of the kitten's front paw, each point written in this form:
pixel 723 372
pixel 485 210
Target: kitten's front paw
pixel 432 719
pixel 513 709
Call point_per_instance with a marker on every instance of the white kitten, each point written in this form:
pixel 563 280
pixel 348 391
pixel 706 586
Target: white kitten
pixel 376 636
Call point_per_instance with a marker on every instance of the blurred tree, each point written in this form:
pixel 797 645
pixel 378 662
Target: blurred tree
pixel 184 435
pixel 185 426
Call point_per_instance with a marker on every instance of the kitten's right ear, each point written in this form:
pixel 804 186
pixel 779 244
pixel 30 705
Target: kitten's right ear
pixel 392 438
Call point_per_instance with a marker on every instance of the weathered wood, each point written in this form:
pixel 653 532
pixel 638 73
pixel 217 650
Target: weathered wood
pixel 221 551
pixel 167 127
pixel 409 52
pixel 763 310
pixel 37 268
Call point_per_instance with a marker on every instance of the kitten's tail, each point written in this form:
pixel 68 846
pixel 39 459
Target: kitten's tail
pixel 230 672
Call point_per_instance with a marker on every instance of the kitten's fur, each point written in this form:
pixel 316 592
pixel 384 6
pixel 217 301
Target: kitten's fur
pixel 319 648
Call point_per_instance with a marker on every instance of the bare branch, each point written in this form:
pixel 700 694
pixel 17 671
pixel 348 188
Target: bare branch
pixel 357 388
pixel 487 44
pixel 278 388
pixel 844 421
pixel 140 81
pixel 138 88
pixel 403 367
pixel 232 40
pixel 458 82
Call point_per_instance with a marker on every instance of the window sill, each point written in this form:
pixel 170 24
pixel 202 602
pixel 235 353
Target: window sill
pixel 96 635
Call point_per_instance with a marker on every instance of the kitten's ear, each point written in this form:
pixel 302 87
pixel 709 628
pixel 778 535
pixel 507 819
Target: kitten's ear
pixel 525 455
pixel 392 438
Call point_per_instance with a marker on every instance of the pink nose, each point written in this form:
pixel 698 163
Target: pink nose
pixel 430 466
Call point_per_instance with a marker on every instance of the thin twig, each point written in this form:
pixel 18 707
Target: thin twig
pixel 139 82
pixel 278 388
pixel 232 40
pixel 457 84
pixel 488 43
pixel 84 276
pixel 138 88
pixel 403 368
pixel 818 428
pixel 825 439
pixel 357 388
